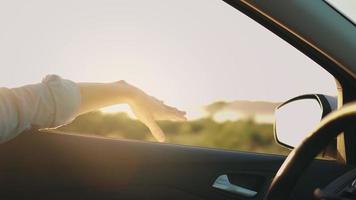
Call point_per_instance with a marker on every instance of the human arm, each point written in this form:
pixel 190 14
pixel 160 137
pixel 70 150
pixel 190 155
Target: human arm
pixel 56 101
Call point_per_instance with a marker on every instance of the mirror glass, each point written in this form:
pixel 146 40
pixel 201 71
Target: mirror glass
pixel 295 120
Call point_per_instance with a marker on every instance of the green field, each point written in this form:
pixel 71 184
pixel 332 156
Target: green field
pixel 243 135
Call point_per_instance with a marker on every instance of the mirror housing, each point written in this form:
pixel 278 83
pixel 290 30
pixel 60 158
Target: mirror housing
pixel 297 117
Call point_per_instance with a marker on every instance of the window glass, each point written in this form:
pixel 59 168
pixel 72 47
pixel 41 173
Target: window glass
pixel 204 57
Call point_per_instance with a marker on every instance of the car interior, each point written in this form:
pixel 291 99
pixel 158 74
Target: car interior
pixel 48 164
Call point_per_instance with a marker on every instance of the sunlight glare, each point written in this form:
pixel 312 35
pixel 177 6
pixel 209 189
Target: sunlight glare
pixel 118 108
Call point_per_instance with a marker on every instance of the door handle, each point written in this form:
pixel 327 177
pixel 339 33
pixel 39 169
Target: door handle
pixel 223 183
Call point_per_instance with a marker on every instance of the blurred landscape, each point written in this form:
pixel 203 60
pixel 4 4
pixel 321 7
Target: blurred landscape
pixel 236 125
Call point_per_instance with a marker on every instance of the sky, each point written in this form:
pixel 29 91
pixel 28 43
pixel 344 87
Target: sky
pixel 346 7
pixel 188 53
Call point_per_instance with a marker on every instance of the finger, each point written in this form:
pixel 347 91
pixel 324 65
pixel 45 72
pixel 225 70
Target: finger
pixel 177 115
pixel 156 131
pixel 173 109
pixel 169 114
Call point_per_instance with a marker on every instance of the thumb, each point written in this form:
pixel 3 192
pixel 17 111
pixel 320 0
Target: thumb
pixel 156 131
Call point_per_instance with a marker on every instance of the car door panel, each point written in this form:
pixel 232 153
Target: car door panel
pixel 64 166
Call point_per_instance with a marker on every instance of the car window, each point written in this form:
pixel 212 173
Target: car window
pixel 225 70
pixel 346 8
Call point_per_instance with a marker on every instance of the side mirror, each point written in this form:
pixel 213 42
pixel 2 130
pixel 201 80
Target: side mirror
pixel 297 117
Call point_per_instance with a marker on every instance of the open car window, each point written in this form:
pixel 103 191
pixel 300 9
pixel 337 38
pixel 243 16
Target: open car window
pixel 228 72
pixel 345 7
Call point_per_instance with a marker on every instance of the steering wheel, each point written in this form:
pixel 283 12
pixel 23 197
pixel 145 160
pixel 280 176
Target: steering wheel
pixel 300 158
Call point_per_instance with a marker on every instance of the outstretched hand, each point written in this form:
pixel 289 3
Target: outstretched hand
pixel 148 110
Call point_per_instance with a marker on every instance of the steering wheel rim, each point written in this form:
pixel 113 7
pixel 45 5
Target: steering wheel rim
pixel 300 158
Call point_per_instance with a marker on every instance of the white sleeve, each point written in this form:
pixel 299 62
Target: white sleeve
pixel 51 103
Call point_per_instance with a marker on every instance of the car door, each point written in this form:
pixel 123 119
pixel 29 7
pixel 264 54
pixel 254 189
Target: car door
pixel 62 166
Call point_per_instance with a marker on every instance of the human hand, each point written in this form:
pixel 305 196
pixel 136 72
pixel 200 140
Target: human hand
pixel 148 110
